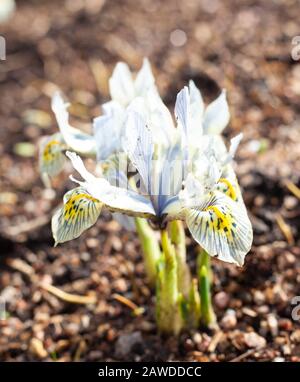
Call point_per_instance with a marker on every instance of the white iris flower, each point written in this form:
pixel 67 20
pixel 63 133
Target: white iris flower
pixel 126 92
pixel 176 181
pixel 108 129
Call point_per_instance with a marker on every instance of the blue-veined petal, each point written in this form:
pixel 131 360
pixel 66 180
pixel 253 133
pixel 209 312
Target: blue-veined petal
pixel 182 112
pixel 121 84
pixel 115 170
pixel 216 115
pixel 79 212
pixel 139 147
pixel 156 115
pixel 221 227
pixel 74 138
pixel 173 174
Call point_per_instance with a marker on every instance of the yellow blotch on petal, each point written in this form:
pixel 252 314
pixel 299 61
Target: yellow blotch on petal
pixel 230 190
pixel 79 212
pixel 221 221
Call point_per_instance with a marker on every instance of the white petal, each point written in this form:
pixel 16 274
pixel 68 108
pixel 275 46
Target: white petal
pixel 119 199
pixel 221 227
pixel 227 156
pixel 173 171
pixel 80 212
pixel 74 138
pixel 121 84
pixel 139 147
pixel 156 115
pixel 80 167
pixel 115 170
pixel 115 198
pixel 182 110
pixel 144 79
pixel 234 143
pixel 216 116
pixel 108 130
pixel 206 166
pixel 196 111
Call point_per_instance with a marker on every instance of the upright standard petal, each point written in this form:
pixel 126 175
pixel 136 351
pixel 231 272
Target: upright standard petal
pixel 182 111
pixel 108 130
pixel 196 113
pixel 216 116
pixel 115 198
pixel 121 85
pixel 74 138
pixel 182 114
pixel 79 212
pixel 156 115
pixel 221 227
pixel 144 79
pixel 139 147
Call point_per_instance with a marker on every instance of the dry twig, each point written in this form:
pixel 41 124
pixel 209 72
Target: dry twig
pixel 285 229
pixel 293 188
pixel 137 310
pixel 68 297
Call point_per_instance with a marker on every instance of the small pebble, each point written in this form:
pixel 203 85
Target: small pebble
pixel 221 300
pixel 272 324
pixel 279 359
pixel 253 340
pixel 197 338
pixel 229 321
pixel 36 347
pixel 285 324
pixel 126 342
pixel 258 297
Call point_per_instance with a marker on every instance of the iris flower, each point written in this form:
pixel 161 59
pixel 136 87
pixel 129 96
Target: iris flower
pixel 178 179
pixel 107 128
pixel 126 92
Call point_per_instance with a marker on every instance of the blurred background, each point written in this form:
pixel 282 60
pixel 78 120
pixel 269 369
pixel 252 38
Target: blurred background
pixel 244 46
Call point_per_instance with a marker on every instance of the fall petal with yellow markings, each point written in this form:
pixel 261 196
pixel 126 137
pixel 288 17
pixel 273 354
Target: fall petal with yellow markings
pixel 221 227
pixel 51 157
pixel 79 212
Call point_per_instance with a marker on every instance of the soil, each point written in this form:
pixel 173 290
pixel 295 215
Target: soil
pixel 243 46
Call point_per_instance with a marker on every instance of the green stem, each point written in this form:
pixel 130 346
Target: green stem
pixel 151 249
pixel 194 306
pixel 205 278
pixel 168 311
pixel 177 236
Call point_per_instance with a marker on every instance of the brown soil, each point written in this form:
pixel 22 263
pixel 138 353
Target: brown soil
pixel 244 46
